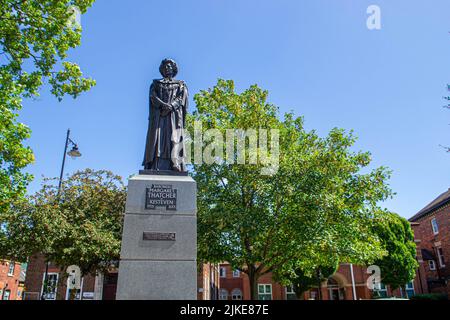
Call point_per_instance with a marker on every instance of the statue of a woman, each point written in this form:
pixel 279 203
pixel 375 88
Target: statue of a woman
pixel 164 150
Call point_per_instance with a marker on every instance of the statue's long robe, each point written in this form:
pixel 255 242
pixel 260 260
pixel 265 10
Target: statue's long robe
pixel 164 148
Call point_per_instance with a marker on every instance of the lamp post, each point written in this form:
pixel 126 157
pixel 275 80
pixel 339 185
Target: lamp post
pixel 74 153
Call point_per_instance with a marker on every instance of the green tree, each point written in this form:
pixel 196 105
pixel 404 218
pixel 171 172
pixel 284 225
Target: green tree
pixel 302 281
pixel 35 37
pixel 82 226
pixel 316 204
pixel 399 266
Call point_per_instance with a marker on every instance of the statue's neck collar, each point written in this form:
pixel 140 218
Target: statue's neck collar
pixel 167 80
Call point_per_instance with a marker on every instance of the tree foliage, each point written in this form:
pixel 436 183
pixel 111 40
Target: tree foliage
pixel 35 37
pixel 302 281
pixel 399 266
pixel 317 206
pixel 82 226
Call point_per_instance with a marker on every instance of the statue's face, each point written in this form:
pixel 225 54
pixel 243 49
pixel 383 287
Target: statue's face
pixel 168 71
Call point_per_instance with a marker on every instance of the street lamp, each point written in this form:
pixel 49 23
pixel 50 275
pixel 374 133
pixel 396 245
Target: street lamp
pixel 74 153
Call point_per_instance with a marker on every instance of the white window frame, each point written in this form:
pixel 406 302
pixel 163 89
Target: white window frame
pixel 57 282
pixel 222 294
pixel 6 295
pixel 265 292
pixel 378 287
pixel 409 287
pixel 432 265
pixel 236 273
pixel 236 292
pixel 441 257
pixel 81 291
pixel 224 275
pixel 11 272
pixel 434 226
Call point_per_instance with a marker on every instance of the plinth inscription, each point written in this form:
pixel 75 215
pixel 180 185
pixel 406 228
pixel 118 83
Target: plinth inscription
pixel 161 195
pixel 159 236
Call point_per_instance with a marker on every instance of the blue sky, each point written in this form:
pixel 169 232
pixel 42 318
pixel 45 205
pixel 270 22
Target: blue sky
pixel 316 57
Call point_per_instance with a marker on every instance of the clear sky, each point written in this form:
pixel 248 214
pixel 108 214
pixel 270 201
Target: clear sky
pixel 316 57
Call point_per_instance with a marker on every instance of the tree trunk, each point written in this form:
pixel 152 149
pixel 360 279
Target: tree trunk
pixel 73 294
pixel 253 280
pixel 319 285
pixel 300 291
pixel 299 294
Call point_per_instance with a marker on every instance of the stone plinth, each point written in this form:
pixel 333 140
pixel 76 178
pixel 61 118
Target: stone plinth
pixel 159 241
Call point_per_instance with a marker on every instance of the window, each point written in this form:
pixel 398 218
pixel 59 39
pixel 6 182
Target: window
pixel 223 272
pixel 432 265
pixel 290 294
pixel 77 293
pixel 52 285
pixel 441 257
pixel 434 226
pixel 12 265
pixel 236 273
pixel 223 294
pixel 380 290
pixel 236 294
pixel 264 292
pixel 410 289
pixel 6 295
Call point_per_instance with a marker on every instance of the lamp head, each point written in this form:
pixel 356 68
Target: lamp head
pixel 74 153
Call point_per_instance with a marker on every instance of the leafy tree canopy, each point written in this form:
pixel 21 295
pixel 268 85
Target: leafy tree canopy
pixel 302 281
pixel 317 205
pixel 35 37
pixel 82 226
pixel 399 266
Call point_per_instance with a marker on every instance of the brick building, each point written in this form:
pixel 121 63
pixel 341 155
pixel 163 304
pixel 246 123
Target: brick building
pixel 208 282
pixel 431 227
pixel 92 287
pixel 100 286
pixel 11 280
pixel 234 285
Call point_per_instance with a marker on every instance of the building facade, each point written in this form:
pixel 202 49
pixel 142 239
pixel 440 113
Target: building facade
pixel 431 227
pixel 92 287
pixel 348 283
pixel 208 282
pixel 11 280
pixel 102 286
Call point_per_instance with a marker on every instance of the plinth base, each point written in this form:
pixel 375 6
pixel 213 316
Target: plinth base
pixel 158 259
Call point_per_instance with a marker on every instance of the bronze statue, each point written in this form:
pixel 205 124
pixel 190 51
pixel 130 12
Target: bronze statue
pixel 164 150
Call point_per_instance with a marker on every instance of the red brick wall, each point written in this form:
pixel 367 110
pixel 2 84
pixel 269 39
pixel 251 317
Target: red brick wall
pixel 428 240
pixel 35 275
pixel 231 283
pixel 342 277
pixel 208 281
pixel 9 282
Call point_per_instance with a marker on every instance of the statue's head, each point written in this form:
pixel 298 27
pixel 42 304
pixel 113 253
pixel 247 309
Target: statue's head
pixel 168 68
